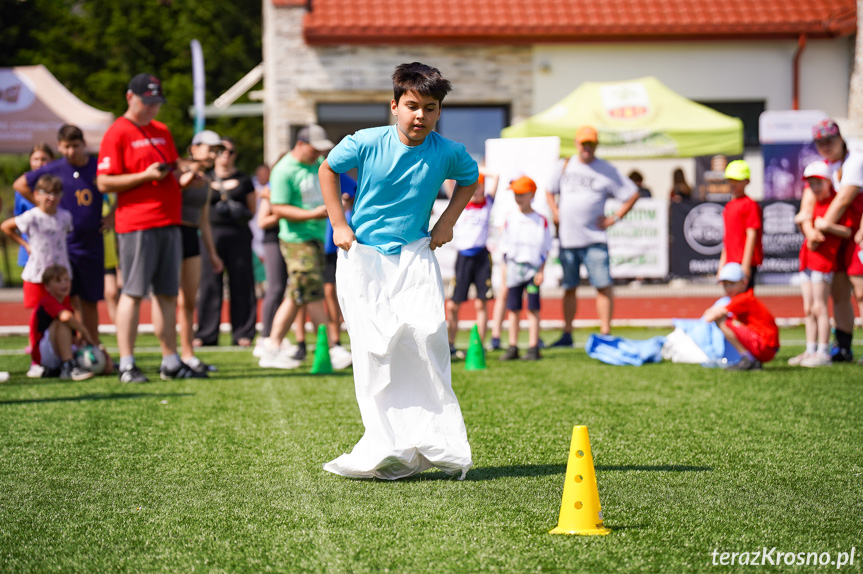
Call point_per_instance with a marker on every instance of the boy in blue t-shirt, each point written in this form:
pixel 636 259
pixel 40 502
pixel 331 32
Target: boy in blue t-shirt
pixel 390 287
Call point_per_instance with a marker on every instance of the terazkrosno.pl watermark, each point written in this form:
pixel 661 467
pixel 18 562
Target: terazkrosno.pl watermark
pixel 773 557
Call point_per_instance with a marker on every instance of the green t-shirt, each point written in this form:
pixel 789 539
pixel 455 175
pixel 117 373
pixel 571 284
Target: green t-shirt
pixel 295 183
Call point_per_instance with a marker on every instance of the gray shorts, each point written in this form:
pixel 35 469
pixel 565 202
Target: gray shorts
pixel 151 258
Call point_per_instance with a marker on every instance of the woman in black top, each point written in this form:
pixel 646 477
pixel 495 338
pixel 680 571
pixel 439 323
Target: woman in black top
pixel 232 204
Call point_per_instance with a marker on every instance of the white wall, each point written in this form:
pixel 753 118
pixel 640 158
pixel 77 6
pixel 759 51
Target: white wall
pixel 704 71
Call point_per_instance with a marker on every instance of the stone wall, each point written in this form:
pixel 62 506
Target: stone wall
pixel 297 76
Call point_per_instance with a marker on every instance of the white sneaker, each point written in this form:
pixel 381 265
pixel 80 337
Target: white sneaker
pixel 817 360
pixel 795 361
pixel 340 357
pixel 260 347
pixel 35 372
pixel 272 359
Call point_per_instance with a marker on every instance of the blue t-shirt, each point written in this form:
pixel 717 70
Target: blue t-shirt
pixel 397 184
pixel 82 199
pixel 349 186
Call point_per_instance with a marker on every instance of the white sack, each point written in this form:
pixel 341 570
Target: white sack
pixel 679 347
pixel 393 307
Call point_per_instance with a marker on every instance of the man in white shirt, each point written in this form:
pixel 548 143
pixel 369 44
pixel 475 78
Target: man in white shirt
pixel 577 202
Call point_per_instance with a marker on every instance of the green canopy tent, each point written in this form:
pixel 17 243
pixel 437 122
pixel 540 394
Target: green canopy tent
pixel 639 118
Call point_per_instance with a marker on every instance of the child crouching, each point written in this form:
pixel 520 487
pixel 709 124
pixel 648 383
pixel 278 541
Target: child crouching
pixel 53 325
pixel 745 321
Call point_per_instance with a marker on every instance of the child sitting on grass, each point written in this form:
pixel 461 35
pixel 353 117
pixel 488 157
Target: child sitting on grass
pixel 745 321
pixel 818 263
pixel 525 245
pixel 53 325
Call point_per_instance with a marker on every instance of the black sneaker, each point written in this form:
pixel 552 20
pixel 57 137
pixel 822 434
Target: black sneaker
pixel 511 354
pixel 745 364
pixel 72 370
pixel 300 355
pixel 184 371
pixel 200 366
pixel 839 355
pixel 564 341
pixel 532 354
pixel 133 375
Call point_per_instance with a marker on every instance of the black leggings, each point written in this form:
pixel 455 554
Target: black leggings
pixel 234 246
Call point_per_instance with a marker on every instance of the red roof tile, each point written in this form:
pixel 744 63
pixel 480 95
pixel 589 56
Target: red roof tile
pixel 546 21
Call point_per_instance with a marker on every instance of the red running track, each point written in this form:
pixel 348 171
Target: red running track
pixel 625 308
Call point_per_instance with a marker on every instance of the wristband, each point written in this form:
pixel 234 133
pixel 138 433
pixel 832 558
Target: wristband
pixel 615 217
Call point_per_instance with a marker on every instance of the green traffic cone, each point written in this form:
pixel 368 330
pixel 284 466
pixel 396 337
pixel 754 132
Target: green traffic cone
pixel 322 364
pixel 475 358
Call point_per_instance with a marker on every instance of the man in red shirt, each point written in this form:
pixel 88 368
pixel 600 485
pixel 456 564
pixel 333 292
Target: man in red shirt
pixel 745 321
pixel 137 161
pixel 743 224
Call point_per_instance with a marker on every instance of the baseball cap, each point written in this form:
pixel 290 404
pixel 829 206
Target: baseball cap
pixel 523 185
pixel 586 134
pixel 147 87
pixel 817 169
pixel 825 129
pixel 207 137
pixel 315 136
pixel 731 272
pixel 737 170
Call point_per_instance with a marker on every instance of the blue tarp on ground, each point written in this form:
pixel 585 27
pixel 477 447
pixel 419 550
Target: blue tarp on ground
pixel 621 351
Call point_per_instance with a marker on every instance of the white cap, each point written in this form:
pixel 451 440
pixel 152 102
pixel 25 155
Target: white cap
pixel 315 136
pixel 207 137
pixel 817 169
pixel 731 272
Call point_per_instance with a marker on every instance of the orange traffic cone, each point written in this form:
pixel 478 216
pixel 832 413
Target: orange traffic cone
pixel 580 512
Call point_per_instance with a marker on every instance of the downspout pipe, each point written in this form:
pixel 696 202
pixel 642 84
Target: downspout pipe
pixel 795 88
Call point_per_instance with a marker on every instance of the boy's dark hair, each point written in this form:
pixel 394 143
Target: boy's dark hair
pixel 419 78
pixel 49 183
pixel 53 272
pixel 69 133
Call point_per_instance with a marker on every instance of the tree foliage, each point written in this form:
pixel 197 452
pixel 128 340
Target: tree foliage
pixel 94 47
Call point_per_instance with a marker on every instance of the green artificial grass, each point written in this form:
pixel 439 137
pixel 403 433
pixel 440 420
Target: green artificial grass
pixel 224 475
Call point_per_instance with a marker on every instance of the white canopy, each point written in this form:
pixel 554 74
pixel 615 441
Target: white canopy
pixel 33 106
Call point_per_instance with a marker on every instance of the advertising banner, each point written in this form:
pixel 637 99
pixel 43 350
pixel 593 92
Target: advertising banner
pixel 696 231
pixel 638 244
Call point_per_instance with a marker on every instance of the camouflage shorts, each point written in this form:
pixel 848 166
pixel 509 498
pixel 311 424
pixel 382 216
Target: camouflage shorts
pixel 305 263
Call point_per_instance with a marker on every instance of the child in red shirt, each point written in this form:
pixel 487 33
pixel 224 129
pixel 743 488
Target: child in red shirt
pixel 818 262
pixel 741 242
pixel 52 328
pixel 745 321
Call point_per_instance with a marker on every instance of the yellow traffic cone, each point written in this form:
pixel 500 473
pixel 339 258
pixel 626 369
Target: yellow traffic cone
pixel 580 512
pixel 322 364
pixel 475 357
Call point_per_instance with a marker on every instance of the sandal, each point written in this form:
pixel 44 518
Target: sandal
pixel 244 342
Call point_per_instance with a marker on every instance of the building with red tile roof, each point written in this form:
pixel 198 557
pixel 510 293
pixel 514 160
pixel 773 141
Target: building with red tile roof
pixel 378 22
pixel 329 61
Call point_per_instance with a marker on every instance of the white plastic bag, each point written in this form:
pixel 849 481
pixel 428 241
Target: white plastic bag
pixel 394 312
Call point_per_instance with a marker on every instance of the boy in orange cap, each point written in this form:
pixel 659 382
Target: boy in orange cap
pixel 525 245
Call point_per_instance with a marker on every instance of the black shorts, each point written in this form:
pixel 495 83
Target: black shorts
pixel 514 296
pixel 330 267
pixel 474 269
pixel 88 278
pixel 191 243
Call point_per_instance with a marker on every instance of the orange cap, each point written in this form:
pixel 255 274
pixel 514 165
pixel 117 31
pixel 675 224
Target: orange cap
pixel 523 185
pixel 586 134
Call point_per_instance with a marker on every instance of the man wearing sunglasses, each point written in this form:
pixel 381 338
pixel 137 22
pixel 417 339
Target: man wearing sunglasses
pixel 137 161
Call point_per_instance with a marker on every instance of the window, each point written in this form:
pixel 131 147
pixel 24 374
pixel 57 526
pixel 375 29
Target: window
pixel 472 125
pixel 341 120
